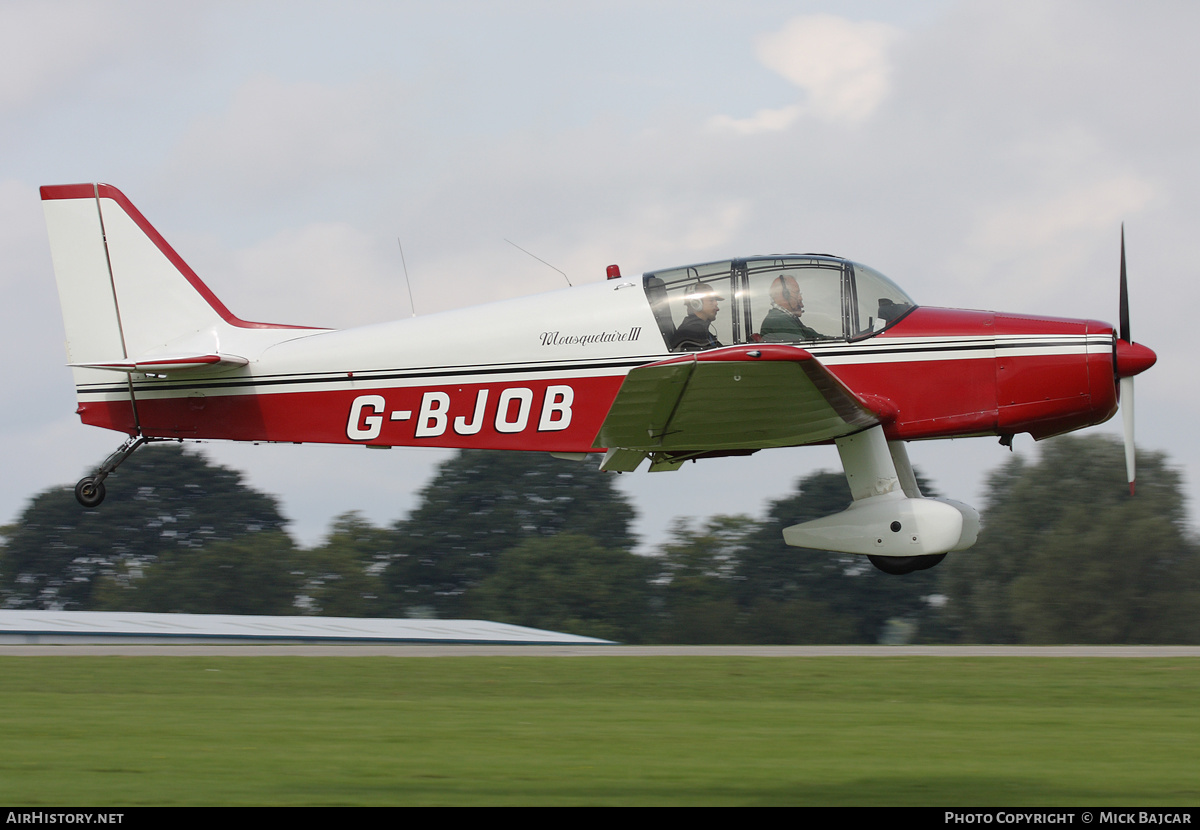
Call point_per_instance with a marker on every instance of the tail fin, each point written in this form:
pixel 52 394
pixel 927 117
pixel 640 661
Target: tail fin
pixel 125 292
pixel 130 303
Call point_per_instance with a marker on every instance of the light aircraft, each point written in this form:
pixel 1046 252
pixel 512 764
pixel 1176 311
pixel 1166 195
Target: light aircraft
pixel 721 358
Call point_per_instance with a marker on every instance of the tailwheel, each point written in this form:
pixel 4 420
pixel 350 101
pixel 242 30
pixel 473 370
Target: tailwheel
pixel 898 565
pixel 89 492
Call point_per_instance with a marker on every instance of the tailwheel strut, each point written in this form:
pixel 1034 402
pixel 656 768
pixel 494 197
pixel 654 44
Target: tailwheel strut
pixel 89 491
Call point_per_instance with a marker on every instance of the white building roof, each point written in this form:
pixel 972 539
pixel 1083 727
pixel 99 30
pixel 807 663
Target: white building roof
pixel 54 627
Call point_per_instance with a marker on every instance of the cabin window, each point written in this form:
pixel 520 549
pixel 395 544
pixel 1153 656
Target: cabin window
pixel 684 300
pixel 786 299
pixel 793 301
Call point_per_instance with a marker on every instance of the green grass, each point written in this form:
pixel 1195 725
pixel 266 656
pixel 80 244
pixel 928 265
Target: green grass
pixel 938 731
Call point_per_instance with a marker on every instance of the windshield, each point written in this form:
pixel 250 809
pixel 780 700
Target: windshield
pixel 880 301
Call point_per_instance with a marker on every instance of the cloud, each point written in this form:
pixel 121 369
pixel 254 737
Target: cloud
pixel 1033 246
pixel 29 315
pixel 274 136
pixel 842 66
pixel 765 120
pixel 22 233
pixel 327 274
pixel 647 235
pixel 1049 220
pixel 46 47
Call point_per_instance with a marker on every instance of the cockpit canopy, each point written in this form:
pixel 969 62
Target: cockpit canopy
pixel 795 298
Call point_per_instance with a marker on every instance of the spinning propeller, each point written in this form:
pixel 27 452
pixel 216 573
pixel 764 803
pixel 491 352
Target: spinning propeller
pixel 1129 359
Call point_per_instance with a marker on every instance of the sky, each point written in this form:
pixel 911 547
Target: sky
pixel 981 154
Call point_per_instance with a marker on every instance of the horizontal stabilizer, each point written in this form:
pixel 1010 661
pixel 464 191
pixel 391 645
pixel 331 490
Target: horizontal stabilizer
pixel 167 364
pixel 732 398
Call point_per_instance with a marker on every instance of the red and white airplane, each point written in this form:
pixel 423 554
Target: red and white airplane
pixel 722 358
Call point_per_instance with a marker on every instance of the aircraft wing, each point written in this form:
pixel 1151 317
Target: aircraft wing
pixel 735 398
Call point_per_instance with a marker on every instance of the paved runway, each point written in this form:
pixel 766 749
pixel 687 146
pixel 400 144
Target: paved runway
pixel 106 650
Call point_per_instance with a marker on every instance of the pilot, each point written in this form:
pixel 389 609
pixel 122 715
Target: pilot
pixel 695 332
pixel 782 322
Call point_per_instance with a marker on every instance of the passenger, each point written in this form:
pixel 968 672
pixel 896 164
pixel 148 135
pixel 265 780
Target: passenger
pixel 695 332
pixel 782 322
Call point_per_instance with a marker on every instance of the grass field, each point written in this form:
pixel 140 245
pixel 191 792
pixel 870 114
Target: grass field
pixel 933 731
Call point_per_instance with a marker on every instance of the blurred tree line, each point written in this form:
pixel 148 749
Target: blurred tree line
pixel 1066 555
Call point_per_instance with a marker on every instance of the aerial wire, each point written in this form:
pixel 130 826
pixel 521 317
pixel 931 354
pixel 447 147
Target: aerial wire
pixel 407 284
pixel 539 259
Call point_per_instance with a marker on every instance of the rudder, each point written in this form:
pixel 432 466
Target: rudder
pixel 124 291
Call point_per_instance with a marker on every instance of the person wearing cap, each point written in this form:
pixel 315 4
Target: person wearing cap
pixel 782 322
pixel 695 332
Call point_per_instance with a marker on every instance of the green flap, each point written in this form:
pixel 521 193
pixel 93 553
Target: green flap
pixel 708 402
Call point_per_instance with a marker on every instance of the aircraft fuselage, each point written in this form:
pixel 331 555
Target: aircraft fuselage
pixel 560 359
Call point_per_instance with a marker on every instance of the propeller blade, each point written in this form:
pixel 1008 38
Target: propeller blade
pixel 1124 293
pixel 1129 359
pixel 1127 423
